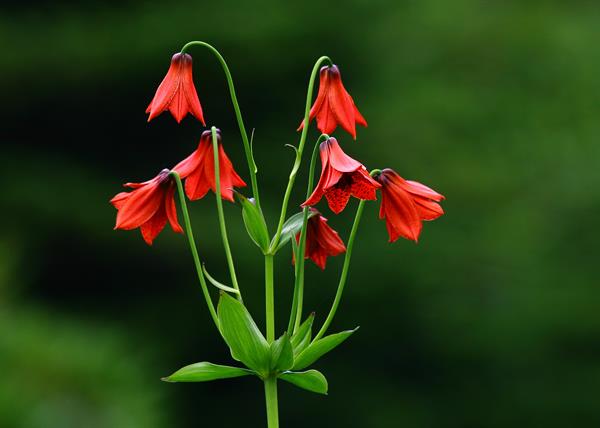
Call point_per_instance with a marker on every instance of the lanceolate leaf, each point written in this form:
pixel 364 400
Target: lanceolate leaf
pixel 254 222
pixel 282 355
pixel 239 330
pixel 301 339
pixel 205 371
pixel 311 380
pixel 319 348
pixel 292 226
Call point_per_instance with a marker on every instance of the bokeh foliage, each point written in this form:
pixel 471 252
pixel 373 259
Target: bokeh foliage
pixel 490 321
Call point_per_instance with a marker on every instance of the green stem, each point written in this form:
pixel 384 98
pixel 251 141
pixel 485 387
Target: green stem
pixel 295 294
pixel 269 298
pixel 272 405
pixel 238 114
pixel 344 275
pixel 193 249
pixel 222 225
pixel 300 260
pixel 298 160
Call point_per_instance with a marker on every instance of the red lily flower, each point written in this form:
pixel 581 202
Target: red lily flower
pixel 405 204
pixel 334 106
pixel 198 169
pixel 177 92
pixel 148 207
pixel 321 240
pixel 341 177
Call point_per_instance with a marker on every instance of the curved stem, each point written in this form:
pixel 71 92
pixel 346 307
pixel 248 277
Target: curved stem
pixel 269 298
pixel 238 114
pixel 300 260
pixel 298 160
pixel 193 249
pixel 271 400
pixel 222 225
pixel 344 275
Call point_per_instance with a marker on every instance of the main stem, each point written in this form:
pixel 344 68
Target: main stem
pixel 222 225
pixel 271 400
pixel 344 275
pixel 238 114
pixel 193 249
pixel 298 160
pixel 269 298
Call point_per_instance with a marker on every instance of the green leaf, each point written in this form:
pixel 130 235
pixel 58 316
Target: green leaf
pixel 311 380
pixel 205 371
pixel 292 226
pixel 301 339
pixel 218 284
pixel 239 330
pixel 319 348
pixel 282 354
pixel 254 222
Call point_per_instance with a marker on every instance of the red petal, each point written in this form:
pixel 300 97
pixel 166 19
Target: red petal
pixel 401 213
pixel 341 103
pixel 363 186
pixel 167 88
pixel 119 199
pixel 154 225
pixel 337 198
pixel 326 121
pixel 171 209
pixel 178 105
pixel 340 160
pixel 428 209
pixel 229 178
pixel 189 90
pixel 417 188
pixel 321 96
pixel 141 205
pixel 358 118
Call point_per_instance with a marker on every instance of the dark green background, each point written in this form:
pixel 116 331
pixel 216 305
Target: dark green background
pixel 492 320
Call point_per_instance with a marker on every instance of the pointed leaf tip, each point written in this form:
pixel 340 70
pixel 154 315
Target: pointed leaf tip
pixel 254 222
pixel 319 348
pixel 205 372
pixel 311 380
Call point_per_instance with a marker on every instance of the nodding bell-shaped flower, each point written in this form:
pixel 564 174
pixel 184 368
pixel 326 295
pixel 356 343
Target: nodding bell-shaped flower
pixel 198 170
pixel 341 177
pixel 334 106
pixel 321 240
pixel 405 204
pixel 148 206
pixel 177 92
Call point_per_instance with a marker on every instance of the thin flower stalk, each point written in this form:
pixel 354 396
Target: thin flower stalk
pixel 190 234
pixel 299 151
pixel 222 225
pixel 252 169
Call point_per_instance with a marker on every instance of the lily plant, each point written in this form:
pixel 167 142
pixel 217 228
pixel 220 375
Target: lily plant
pixel 149 205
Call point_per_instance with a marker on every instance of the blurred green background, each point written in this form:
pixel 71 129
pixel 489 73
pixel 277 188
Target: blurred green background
pixel 492 320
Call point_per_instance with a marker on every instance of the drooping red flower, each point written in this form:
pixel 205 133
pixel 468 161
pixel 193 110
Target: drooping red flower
pixel 405 204
pixel 198 170
pixel 177 92
pixel 321 240
pixel 334 106
pixel 148 206
pixel 341 177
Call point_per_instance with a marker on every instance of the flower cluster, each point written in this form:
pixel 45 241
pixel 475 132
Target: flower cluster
pixel 404 204
pixel 150 205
